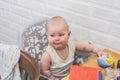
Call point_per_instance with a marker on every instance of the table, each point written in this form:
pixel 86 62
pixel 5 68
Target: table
pixel 93 62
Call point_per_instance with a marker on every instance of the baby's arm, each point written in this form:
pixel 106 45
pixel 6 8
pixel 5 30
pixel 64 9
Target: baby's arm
pixel 45 66
pixel 86 46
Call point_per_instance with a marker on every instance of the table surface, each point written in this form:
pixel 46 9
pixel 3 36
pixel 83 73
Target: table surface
pixel 93 62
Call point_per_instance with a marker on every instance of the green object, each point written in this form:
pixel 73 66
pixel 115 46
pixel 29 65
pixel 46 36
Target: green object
pixel 108 55
pixel 118 64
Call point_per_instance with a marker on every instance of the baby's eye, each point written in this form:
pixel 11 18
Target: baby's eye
pixel 52 35
pixel 61 34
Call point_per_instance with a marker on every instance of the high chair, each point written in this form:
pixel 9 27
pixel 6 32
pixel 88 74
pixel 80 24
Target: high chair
pixel 33 40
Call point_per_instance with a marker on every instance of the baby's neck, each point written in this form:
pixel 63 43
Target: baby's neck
pixel 63 53
pixel 60 49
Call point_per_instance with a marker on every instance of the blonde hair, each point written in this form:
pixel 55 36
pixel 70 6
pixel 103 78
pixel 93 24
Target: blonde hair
pixel 57 20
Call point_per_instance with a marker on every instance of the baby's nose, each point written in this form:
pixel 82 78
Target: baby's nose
pixel 57 38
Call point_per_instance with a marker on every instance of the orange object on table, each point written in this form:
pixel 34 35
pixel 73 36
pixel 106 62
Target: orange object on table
pixel 85 73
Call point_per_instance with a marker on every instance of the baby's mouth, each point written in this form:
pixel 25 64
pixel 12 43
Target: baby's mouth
pixel 57 43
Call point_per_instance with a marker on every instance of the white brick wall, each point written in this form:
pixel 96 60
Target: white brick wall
pixel 94 20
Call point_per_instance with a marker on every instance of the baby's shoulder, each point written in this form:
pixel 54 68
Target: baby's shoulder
pixel 45 54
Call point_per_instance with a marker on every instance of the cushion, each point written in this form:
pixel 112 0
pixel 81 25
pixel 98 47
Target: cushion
pixel 34 39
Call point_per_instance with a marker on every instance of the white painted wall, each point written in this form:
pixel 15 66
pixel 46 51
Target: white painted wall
pixel 94 20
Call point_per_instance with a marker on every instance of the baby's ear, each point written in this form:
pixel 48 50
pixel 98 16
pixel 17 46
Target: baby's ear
pixel 69 33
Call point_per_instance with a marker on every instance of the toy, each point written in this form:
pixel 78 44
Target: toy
pixel 118 64
pixel 118 78
pixel 106 61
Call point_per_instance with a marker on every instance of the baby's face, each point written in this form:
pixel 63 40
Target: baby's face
pixel 58 36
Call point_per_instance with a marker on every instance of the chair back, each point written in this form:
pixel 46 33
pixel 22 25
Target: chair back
pixel 33 39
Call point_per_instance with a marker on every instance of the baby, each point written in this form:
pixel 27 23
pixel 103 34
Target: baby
pixel 59 54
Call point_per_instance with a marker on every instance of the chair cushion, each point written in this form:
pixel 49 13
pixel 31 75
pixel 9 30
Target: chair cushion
pixel 34 39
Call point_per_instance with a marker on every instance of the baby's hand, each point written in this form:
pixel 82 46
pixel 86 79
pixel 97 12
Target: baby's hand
pixel 100 53
pixel 57 79
pixel 54 78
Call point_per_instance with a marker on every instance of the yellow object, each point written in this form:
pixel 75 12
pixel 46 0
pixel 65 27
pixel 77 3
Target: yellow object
pixel 110 60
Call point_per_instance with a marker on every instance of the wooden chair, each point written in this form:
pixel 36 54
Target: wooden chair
pixel 29 66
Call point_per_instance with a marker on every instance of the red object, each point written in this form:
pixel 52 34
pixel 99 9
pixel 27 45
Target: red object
pixel 84 73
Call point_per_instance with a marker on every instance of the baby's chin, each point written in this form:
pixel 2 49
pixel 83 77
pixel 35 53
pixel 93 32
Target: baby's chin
pixel 58 47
